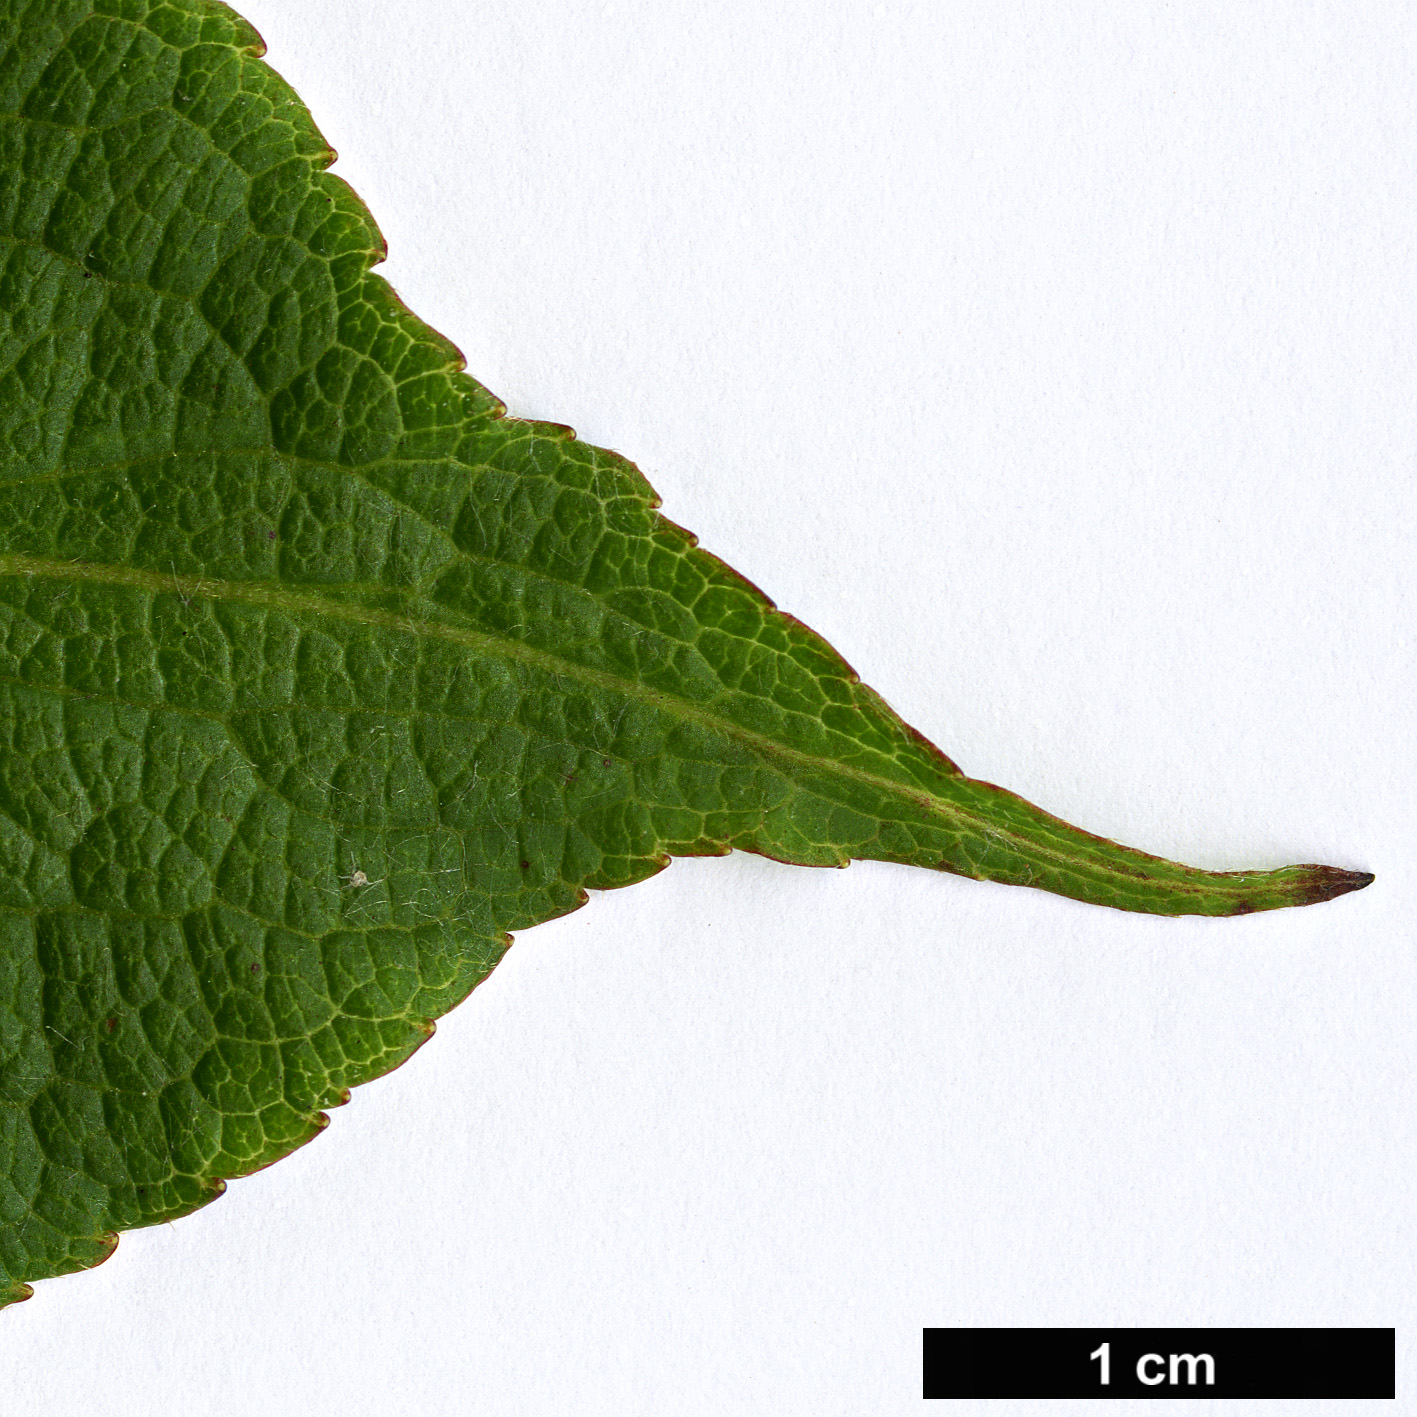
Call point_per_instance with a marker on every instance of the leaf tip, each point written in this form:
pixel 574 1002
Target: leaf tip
pixel 1320 883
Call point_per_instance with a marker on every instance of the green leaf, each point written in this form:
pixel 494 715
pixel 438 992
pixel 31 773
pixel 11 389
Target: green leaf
pixel 318 675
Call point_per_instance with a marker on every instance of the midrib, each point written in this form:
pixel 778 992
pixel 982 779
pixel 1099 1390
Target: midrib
pixel 294 601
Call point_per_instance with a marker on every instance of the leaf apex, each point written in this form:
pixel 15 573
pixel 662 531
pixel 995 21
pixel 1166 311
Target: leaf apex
pixel 1321 883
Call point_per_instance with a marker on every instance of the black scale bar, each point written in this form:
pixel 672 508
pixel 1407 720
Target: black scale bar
pixel 1160 1362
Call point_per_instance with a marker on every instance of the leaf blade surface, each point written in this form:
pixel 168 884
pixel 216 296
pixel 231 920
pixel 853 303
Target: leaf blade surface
pixel 318 675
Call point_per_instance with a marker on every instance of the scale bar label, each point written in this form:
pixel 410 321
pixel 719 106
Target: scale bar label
pixel 1160 1362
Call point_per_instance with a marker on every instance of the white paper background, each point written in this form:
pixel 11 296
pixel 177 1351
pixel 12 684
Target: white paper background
pixel 1055 361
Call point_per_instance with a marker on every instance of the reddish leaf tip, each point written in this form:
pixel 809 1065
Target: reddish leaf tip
pixel 1326 882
